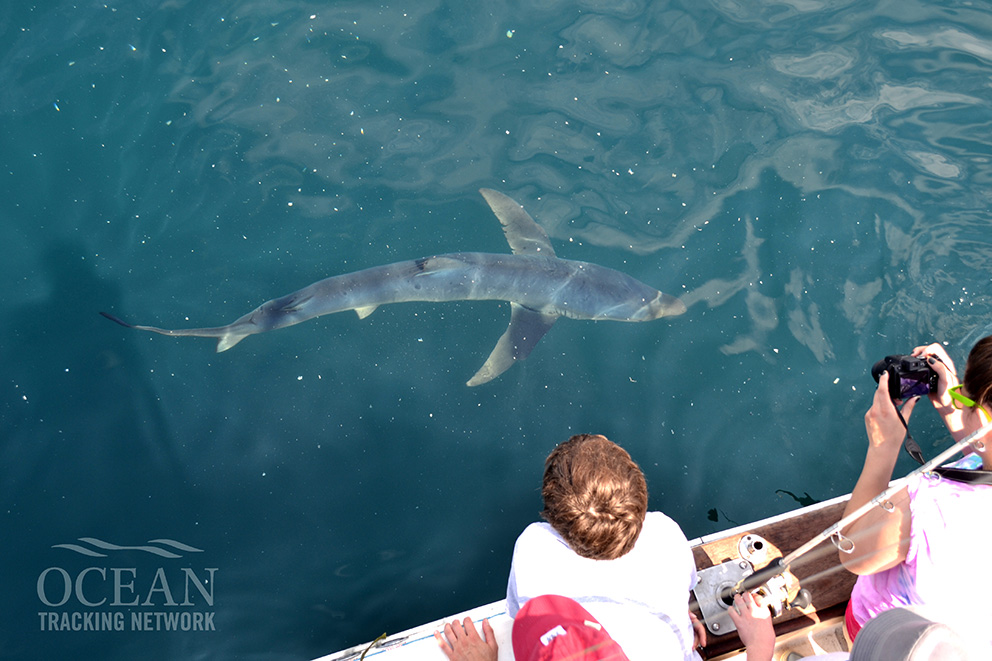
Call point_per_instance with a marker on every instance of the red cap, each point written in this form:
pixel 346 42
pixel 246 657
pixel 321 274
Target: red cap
pixel 554 628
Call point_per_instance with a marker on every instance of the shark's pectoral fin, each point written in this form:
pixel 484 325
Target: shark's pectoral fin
pixel 526 328
pixel 524 235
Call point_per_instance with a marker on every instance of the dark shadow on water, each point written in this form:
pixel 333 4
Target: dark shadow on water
pixel 85 413
pixel 85 450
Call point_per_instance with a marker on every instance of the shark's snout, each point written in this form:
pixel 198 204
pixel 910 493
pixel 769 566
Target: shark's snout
pixel 672 306
pixel 663 305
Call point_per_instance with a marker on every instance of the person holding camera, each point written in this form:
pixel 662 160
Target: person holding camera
pixel 920 547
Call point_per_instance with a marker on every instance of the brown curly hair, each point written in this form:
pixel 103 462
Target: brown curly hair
pixel 595 496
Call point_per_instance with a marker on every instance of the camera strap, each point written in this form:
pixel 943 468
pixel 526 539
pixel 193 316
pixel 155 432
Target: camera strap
pixel 912 447
pixel 964 475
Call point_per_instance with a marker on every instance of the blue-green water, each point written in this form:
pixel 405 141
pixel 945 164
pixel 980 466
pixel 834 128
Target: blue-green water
pixel 812 177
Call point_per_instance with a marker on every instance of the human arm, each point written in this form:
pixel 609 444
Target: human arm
pixel 881 537
pixel 461 641
pixel 754 626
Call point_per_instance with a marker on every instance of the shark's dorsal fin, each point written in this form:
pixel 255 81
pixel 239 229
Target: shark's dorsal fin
pixel 524 235
pixel 526 328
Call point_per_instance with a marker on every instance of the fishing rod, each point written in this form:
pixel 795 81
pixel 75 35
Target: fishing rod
pixel 782 565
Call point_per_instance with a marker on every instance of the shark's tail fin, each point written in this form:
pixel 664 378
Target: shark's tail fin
pixel 226 336
pixel 116 320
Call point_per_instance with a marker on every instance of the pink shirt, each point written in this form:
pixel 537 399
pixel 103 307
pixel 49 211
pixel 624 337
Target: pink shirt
pixel 943 570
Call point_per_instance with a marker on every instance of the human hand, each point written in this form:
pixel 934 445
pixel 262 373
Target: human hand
pixel 882 420
pixel 698 631
pixel 754 625
pixel 942 364
pixel 461 642
pixel 937 351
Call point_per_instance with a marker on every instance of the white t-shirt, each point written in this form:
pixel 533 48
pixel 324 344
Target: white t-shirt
pixel 641 598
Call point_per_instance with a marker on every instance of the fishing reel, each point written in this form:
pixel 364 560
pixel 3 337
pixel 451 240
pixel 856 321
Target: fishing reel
pixel 716 586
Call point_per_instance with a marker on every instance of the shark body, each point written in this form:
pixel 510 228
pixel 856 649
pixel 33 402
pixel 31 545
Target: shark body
pixel 540 287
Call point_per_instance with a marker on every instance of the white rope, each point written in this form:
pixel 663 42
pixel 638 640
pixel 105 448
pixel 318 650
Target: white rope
pixel 882 499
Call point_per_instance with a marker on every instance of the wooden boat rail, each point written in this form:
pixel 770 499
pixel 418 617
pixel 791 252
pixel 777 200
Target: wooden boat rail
pixel 818 571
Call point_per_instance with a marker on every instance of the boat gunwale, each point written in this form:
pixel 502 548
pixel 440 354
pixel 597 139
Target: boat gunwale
pixel 496 610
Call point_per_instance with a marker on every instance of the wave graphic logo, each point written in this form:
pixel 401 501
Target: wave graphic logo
pixel 153 546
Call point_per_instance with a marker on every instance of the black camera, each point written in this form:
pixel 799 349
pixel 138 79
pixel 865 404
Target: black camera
pixel 909 376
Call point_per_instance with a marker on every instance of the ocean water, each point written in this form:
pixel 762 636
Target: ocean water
pixel 811 177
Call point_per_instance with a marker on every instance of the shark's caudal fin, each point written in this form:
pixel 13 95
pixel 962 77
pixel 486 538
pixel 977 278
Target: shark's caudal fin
pixel 526 328
pixel 524 235
pixel 226 337
pixel 116 320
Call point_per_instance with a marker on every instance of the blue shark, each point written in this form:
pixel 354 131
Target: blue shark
pixel 540 287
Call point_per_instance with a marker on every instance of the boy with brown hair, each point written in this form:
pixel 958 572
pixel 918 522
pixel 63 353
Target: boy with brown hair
pixel 632 569
pixel 595 496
